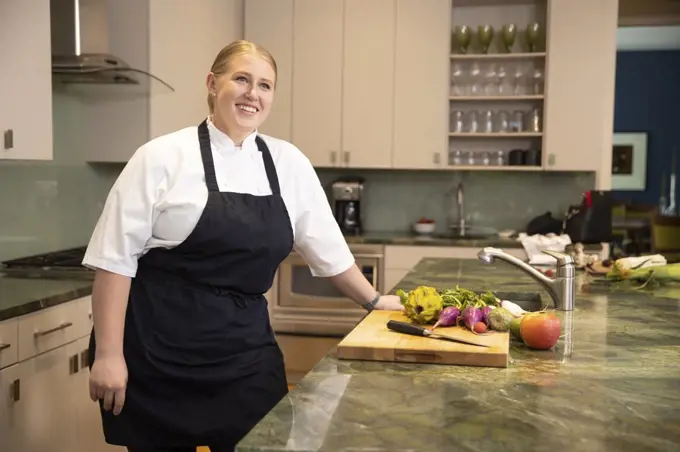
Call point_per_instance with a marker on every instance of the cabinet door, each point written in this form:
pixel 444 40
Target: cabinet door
pixel 88 433
pixel 368 83
pixel 317 80
pixel 25 80
pixel 11 407
pixel 421 79
pixel 270 24
pixel 183 56
pixel 46 418
pixel 579 86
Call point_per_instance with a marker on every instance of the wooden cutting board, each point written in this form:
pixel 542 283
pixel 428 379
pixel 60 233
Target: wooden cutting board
pixel 371 340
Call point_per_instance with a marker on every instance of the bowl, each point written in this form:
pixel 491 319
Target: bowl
pixel 424 228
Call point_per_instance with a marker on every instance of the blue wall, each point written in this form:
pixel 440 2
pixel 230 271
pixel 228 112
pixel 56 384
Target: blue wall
pixel 648 100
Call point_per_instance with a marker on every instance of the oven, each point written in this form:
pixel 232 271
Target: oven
pixel 309 305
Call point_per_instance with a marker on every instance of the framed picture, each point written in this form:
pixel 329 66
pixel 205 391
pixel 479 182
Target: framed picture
pixel 629 161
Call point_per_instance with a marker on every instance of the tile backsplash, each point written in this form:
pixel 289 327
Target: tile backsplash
pixel 46 206
pixel 501 200
pixel 52 205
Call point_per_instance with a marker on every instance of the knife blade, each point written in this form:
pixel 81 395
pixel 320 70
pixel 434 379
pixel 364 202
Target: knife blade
pixel 417 330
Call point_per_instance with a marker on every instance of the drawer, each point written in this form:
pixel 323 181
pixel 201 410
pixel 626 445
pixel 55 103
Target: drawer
pixel 53 327
pixel 9 342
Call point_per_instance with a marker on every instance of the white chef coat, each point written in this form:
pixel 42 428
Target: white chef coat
pixel 160 194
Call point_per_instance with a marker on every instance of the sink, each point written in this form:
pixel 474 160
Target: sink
pixel 469 232
pixel 468 235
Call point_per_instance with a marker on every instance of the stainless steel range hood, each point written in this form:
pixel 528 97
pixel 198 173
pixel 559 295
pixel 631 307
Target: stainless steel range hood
pixel 80 46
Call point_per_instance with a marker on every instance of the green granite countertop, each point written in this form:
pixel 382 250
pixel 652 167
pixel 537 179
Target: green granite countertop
pixel 407 239
pixel 612 383
pixel 21 296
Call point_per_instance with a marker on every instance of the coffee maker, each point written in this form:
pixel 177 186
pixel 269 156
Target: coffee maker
pixel 346 203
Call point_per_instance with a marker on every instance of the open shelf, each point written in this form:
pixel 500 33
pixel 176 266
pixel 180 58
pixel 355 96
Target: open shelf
pixel 496 135
pixel 494 167
pixel 497 98
pixel 496 56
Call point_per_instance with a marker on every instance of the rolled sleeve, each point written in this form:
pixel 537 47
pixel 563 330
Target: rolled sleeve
pixel 126 222
pixel 318 237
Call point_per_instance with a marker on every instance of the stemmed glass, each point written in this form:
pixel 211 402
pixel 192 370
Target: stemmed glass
pixel 508 36
pixel 485 36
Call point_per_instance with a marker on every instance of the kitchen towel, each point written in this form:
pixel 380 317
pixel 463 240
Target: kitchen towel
pixel 534 244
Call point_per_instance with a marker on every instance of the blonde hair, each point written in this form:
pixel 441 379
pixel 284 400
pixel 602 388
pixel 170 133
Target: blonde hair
pixel 232 50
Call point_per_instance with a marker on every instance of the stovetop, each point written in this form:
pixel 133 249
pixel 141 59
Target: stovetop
pixel 69 258
pixel 53 265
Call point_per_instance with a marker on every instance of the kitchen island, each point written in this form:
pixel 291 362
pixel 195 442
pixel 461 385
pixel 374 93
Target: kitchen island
pixel 612 383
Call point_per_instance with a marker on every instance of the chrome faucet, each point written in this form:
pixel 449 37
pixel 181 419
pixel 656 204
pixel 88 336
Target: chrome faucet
pixel 561 288
pixel 459 203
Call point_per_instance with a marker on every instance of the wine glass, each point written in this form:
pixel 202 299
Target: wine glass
pixel 463 35
pixel 485 36
pixel 508 36
pixel 533 34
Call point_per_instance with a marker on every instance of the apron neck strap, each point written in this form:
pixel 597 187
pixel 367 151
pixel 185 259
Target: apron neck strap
pixel 209 164
pixel 269 166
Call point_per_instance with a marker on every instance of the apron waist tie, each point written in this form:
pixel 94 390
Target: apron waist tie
pixel 241 299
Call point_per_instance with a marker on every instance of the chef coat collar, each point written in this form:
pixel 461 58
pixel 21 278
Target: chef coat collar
pixel 222 140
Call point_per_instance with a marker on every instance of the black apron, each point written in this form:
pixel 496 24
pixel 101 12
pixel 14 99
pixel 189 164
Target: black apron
pixel 203 364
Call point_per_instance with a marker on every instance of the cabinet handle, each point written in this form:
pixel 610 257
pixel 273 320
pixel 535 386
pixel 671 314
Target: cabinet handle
pixel 436 158
pixel 16 390
pixel 334 157
pixel 345 156
pixel 63 326
pixel 9 139
pixel 85 359
pixel 73 365
pixel 551 159
pixel 4 346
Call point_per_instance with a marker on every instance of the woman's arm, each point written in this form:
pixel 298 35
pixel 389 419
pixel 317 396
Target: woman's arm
pixel 109 303
pixel 354 284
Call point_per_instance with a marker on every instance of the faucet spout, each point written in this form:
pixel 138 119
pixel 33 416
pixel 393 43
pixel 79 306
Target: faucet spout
pixel 561 289
pixel 460 196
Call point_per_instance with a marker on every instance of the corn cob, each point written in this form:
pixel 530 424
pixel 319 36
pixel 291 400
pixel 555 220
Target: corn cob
pixel 658 273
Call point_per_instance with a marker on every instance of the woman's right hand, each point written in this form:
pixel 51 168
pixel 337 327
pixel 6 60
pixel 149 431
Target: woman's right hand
pixel 108 381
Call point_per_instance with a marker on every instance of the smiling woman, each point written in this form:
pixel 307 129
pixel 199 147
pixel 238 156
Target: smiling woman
pixel 187 245
pixel 241 86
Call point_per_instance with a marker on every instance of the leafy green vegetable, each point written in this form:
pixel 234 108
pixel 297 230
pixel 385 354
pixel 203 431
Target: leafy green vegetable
pixel 462 298
pixel 422 307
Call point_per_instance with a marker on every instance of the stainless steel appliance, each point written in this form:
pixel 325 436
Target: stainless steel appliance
pixel 346 201
pixel 308 305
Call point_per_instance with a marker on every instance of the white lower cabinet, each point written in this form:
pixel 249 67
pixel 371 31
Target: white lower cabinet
pixel 44 397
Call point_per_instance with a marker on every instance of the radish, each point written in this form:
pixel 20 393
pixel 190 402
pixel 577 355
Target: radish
pixel 514 308
pixel 447 316
pixel 486 310
pixel 470 316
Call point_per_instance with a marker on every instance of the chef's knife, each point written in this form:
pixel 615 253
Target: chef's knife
pixel 417 330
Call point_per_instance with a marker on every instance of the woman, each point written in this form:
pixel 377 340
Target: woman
pixel 191 235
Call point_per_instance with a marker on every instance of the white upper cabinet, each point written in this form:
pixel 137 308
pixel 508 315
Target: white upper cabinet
pixel 421 83
pixel 183 43
pixel 25 80
pixel 579 104
pixel 269 23
pixel 317 80
pixel 334 98
pixel 368 83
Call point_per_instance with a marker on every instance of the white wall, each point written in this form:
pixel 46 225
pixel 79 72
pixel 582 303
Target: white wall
pixel 648 38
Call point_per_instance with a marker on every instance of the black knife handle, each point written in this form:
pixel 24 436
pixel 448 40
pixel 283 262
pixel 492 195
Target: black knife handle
pixel 406 328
